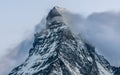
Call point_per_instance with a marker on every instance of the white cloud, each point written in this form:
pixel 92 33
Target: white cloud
pixel 100 29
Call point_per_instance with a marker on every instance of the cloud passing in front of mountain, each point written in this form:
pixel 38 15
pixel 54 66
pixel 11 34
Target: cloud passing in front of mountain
pixel 17 55
pixel 100 29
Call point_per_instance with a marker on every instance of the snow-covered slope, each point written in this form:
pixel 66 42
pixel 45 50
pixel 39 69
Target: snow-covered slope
pixel 58 51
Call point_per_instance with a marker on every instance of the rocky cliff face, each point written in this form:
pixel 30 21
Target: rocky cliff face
pixel 58 51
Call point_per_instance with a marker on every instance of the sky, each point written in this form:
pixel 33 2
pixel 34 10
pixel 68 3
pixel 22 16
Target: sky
pixel 18 19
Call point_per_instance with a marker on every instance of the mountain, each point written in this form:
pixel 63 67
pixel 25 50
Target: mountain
pixel 116 70
pixel 59 51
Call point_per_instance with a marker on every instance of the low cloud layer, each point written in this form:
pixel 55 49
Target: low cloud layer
pixel 100 29
pixel 17 55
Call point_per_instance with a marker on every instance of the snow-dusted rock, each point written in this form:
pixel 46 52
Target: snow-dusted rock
pixel 58 51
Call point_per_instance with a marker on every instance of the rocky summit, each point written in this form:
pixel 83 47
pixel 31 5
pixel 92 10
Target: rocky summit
pixel 58 51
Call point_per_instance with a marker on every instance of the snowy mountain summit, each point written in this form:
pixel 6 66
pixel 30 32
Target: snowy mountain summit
pixel 58 51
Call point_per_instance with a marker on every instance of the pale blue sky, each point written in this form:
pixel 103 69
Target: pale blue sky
pixel 18 17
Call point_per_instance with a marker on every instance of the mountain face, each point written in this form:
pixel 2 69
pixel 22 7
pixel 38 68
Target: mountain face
pixel 58 51
pixel 116 70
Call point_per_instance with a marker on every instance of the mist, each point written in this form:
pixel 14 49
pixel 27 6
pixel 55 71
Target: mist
pixel 100 29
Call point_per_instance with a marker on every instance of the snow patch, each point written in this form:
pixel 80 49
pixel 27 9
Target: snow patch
pixel 102 70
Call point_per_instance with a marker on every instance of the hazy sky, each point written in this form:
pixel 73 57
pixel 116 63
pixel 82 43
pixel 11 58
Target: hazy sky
pixel 18 17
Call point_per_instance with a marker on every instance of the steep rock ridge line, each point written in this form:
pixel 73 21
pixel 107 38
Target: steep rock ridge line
pixel 58 51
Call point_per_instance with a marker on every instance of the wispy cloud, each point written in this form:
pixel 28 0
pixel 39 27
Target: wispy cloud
pixel 17 54
pixel 100 29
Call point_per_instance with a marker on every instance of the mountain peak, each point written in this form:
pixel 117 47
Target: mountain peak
pixel 56 15
pixel 58 51
pixel 54 12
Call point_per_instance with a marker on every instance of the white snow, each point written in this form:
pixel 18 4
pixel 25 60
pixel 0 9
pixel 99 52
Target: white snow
pixel 72 69
pixel 102 70
pixel 40 59
pixel 89 58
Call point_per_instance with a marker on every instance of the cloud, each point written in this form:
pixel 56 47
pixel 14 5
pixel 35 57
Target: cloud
pixel 100 29
pixel 17 55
